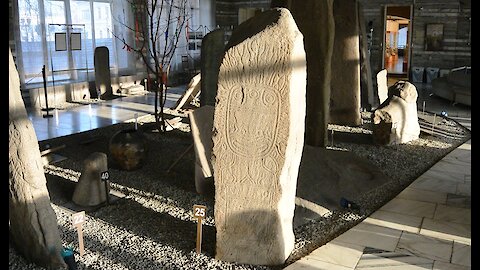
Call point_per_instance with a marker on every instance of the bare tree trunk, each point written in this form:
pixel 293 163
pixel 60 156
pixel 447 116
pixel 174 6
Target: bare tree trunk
pixel 33 224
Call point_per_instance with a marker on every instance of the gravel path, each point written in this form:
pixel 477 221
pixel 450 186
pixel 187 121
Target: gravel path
pixel 152 226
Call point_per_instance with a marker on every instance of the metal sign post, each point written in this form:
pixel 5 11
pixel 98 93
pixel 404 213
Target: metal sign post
pixel 48 115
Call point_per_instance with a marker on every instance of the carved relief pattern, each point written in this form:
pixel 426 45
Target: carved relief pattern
pixel 251 123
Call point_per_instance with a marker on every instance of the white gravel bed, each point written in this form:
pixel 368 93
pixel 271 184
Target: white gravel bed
pixel 152 227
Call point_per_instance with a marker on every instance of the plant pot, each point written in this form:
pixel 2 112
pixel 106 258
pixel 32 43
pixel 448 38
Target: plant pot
pixel 127 149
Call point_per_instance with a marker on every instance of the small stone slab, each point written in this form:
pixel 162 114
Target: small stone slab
pixel 201 124
pixel 192 90
pixel 90 189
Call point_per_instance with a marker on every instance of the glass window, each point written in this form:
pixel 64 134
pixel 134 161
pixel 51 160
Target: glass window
pixel 31 36
pixel 103 29
pixel 57 60
pixel 92 19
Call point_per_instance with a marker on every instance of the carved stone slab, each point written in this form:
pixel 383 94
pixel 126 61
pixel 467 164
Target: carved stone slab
pixel 259 124
pixel 33 229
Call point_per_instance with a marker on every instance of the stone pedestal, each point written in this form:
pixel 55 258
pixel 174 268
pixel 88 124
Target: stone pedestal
pixel 258 139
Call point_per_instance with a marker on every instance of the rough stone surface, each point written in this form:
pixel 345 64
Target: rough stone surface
pixel 258 136
pixel 103 83
pixel 127 149
pixel 201 124
pixel 32 221
pixel 345 96
pixel 213 47
pixel 382 85
pixel 90 189
pixel 396 120
pixel 315 20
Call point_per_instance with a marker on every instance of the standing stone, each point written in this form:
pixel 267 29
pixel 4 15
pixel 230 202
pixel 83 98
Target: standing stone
pixel 382 85
pixel 32 221
pixel 213 46
pixel 396 120
pixel 90 189
pixel 345 96
pixel 315 20
pixel 103 84
pixel 366 84
pixel 259 125
pixel 201 125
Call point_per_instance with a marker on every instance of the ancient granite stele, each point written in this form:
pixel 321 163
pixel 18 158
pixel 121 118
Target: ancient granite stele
pixel 258 132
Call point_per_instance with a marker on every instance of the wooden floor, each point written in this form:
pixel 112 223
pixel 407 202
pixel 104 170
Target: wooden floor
pixel 396 66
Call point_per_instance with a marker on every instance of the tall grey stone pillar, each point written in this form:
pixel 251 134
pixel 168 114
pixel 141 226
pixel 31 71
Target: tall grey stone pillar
pixel 345 96
pixel 259 124
pixel 213 47
pixel 315 20
pixel 32 222
pixel 103 83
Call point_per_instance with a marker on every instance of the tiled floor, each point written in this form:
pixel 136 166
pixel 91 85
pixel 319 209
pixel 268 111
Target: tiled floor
pixel 87 117
pixel 427 226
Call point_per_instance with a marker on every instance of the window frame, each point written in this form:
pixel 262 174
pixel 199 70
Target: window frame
pixel 32 79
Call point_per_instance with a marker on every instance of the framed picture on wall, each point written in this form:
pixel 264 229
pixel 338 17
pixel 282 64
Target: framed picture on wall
pixel 434 37
pixel 60 41
pixel 75 41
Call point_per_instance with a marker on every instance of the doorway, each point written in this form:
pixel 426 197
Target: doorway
pixel 397 40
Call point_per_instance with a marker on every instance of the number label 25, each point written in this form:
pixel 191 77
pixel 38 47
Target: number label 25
pixel 199 211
